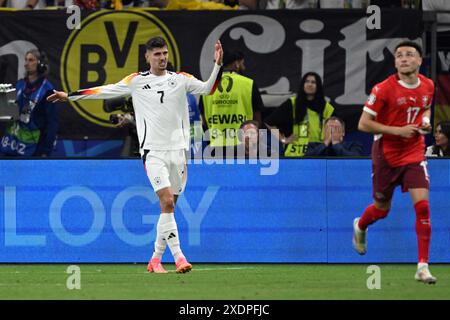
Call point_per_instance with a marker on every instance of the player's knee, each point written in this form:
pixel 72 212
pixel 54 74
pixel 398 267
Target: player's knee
pixel 422 209
pixel 167 203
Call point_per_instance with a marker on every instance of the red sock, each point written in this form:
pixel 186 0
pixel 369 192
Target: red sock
pixel 423 229
pixel 370 215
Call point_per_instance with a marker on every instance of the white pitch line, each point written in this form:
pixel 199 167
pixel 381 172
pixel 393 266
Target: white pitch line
pixel 230 268
pixel 214 269
pixel 129 273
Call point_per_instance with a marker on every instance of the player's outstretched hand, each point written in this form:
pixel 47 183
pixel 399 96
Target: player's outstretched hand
pixel 425 129
pixel 218 54
pixel 58 96
pixel 408 131
pixel 124 120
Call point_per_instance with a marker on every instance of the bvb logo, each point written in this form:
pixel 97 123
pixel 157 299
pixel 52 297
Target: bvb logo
pixel 108 47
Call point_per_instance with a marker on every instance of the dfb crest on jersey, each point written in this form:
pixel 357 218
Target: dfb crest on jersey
pixel 172 82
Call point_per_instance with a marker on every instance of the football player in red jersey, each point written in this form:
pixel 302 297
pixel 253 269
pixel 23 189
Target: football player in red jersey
pixel 398 113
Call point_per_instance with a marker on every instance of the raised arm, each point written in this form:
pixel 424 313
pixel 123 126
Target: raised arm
pixel 196 86
pixel 109 91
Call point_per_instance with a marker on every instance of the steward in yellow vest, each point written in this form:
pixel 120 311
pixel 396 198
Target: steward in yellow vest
pixel 301 119
pixel 236 100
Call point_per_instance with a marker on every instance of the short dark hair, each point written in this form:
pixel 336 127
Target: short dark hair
pixel 410 44
pixel 240 132
pixel 337 119
pixel 253 122
pixel 156 42
pixel 232 56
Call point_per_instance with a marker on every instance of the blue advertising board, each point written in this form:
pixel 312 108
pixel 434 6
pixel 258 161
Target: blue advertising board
pixel 105 211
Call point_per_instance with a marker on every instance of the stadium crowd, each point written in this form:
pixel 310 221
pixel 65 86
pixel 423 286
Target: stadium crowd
pixel 212 4
pixel 302 119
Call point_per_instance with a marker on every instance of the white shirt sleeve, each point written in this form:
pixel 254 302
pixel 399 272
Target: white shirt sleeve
pixel 195 86
pixel 109 91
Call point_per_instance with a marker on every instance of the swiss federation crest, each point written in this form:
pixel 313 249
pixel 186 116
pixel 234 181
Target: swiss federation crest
pixel 371 100
pixel 401 101
pixel 425 101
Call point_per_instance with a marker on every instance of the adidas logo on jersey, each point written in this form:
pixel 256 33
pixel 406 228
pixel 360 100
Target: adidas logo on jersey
pixel 146 87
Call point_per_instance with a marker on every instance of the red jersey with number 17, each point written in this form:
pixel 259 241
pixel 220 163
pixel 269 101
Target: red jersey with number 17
pixel 393 102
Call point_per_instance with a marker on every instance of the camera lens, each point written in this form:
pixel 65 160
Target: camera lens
pixel 114 119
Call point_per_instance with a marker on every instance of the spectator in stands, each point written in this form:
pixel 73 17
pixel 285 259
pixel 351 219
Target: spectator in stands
pixel 237 99
pixel 198 5
pixel 286 4
pixel 248 136
pixel 347 4
pixel 301 118
pixel 441 147
pixel 255 142
pixel 34 133
pixel 24 4
pixel 87 4
pixel 334 144
pixel 300 4
pixel 124 4
pixel 332 4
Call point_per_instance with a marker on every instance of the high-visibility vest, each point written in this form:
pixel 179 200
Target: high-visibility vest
pixel 309 130
pixel 228 108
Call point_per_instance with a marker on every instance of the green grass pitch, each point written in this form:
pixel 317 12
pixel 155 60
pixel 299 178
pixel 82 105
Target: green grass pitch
pixel 220 282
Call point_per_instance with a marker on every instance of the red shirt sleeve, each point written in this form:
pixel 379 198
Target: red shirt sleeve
pixel 376 100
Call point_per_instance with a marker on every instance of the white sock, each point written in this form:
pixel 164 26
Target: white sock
pixel 160 243
pixel 422 265
pixel 170 234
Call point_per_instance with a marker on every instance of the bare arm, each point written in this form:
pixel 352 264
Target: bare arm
pixel 108 91
pixel 196 86
pixel 368 124
pixel 58 96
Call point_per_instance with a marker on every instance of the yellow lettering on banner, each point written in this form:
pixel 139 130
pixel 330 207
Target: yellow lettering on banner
pixel 109 46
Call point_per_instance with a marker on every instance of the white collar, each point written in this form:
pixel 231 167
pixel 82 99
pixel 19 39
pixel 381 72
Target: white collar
pixel 409 86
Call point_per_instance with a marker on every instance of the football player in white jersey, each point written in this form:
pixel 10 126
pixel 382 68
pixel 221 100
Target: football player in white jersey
pixel 162 121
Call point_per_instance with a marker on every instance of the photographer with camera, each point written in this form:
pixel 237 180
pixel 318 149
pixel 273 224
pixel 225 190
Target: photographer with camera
pixel 125 119
pixel 34 132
